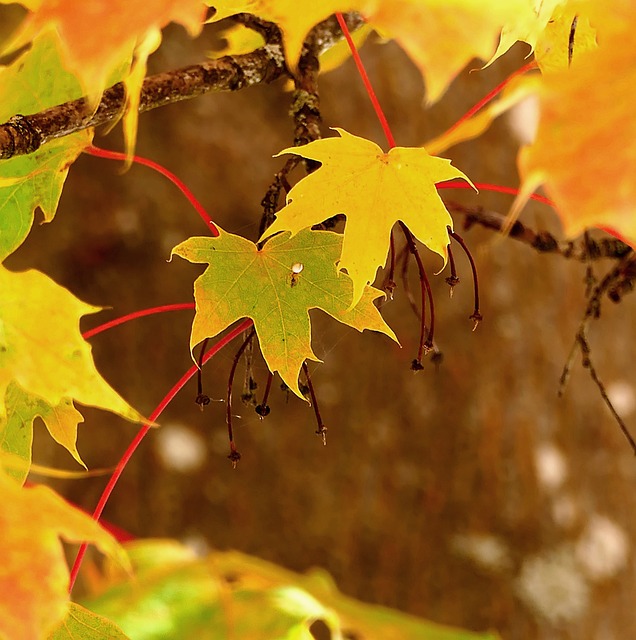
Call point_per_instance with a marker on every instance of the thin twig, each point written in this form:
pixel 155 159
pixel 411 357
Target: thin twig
pixel 202 399
pixel 321 430
pixel 263 408
pixel 587 364
pixel 542 241
pixel 426 343
pixel 476 316
pixel 234 455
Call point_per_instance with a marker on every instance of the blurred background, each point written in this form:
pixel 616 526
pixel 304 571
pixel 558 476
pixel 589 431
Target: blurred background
pixel 469 494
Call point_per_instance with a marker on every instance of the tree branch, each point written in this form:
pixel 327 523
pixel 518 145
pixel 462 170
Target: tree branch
pixel 24 134
pixel 543 241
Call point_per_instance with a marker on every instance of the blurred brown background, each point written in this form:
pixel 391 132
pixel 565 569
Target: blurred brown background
pixel 470 495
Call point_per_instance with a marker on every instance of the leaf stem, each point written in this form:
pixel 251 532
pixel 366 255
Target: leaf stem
pixel 263 408
pixel 134 315
pixel 426 343
pixel 486 186
pixel 202 399
pixel 321 430
pixel 476 315
pixel 365 80
pixel 490 95
pixel 116 155
pixel 234 456
pixel 453 279
pixel 132 447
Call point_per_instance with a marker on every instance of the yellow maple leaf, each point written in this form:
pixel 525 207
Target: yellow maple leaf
pixel 374 190
pixel 43 352
pixel 35 593
pixel 585 149
pixel 567 34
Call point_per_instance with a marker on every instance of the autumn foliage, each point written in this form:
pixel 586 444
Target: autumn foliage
pixel 583 157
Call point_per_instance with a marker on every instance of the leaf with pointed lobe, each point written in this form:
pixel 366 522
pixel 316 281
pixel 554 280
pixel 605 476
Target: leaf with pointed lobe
pixel 276 287
pixel 374 190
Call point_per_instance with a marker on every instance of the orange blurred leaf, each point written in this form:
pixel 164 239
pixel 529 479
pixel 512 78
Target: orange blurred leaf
pixel 34 575
pixel 440 37
pixel 585 149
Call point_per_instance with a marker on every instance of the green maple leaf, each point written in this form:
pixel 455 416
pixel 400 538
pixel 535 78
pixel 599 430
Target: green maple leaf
pixel 45 363
pixel 33 82
pixel 276 287
pixel 374 190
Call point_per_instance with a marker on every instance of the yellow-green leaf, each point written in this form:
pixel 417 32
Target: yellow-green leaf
pixel 82 624
pixel 374 190
pixel 35 81
pixel 42 351
pixel 276 286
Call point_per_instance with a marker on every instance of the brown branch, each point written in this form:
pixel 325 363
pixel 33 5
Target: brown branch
pixel 543 241
pixel 24 134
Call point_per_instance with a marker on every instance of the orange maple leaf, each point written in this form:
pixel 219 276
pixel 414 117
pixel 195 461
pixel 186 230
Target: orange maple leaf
pixel 440 37
pixel 100 35
pixel 374 190
pixel 35 593
pixel 585 149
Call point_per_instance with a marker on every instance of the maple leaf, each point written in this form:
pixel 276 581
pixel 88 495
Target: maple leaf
pixel 374 190
pixel 585 149
pixel 33 82
pixel 82 624
pixel 16 428
pixel 527 25
pixel 43 352
pixel 568 34
pixel 441 38
pixel 276 287
pixel 98 36
pixel 32 520
pixel 102 38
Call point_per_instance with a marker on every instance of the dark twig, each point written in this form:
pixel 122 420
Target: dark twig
pixel 543 241
pixel 426 343
pixel 618 279
pixel 452 281
pixel 202 399
pixel 248 397
pixel 271 199
pixel 476 316
pixel 321 430
pixel 234 456
pixel 263 408
pixel 587 364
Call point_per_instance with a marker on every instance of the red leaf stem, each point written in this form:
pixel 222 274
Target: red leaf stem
pixel 132 447
pixel 365 80
pixel 486 186
pixel 490 95
pixel 134 315
pixel 116 155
